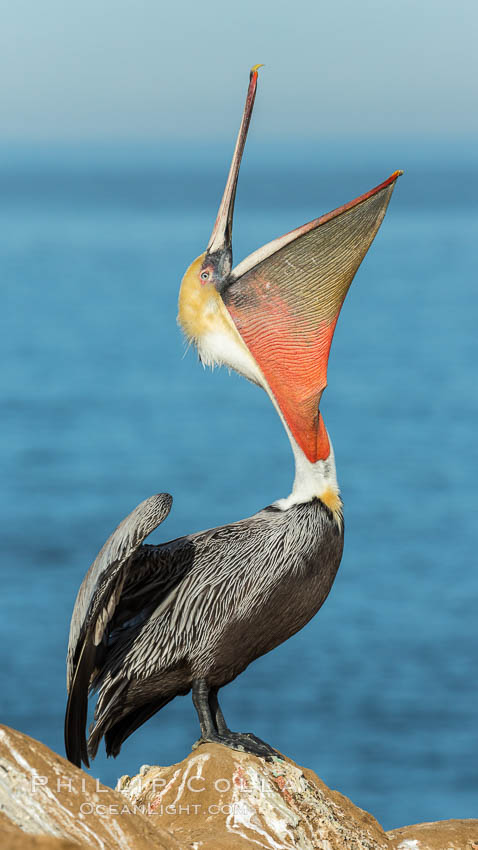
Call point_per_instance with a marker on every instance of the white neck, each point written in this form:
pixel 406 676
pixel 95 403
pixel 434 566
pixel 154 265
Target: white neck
pixel 312 480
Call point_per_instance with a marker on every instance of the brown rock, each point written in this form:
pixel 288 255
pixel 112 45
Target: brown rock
pixel 221 799
pixel 47 804
pixel 14 838
pixel 216 799
pixel 441 835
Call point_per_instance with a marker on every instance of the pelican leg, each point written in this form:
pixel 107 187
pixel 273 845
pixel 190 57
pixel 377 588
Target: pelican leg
pixel 201 704
pixel 217 714
pixel 215 730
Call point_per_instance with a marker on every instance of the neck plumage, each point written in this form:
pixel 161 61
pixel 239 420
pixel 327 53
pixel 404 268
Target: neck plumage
pixel 313 480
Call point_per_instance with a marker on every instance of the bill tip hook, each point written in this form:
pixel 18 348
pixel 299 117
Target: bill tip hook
pixel 255 68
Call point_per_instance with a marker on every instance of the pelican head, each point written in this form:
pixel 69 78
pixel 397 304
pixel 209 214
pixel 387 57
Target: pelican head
pixel 272 317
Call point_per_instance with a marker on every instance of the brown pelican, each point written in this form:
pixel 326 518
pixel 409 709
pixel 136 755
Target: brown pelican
pixel 153 622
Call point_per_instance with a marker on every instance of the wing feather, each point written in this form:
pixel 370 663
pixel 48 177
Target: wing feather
pixel 95 605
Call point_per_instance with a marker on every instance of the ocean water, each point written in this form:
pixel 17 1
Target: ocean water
pixel 101 406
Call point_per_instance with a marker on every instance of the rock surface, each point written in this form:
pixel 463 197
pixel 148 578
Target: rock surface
pixel 220 799
pixel 42 794
pixel 216 799
pixel 442 835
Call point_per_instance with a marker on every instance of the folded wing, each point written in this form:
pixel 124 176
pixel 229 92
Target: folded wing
pixel 94 610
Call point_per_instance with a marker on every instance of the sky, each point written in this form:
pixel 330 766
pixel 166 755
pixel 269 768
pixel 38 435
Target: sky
pixel 147 69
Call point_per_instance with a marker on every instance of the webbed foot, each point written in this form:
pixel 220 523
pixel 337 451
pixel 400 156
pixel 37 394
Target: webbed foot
pixel 244 742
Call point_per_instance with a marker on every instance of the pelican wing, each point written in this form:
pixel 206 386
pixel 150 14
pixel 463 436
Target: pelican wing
pixel 94 610
pixel 285 300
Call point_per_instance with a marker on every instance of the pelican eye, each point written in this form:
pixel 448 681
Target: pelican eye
pixel 204 275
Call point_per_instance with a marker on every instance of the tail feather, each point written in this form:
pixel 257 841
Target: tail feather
pixel 77 707
pixel 116 732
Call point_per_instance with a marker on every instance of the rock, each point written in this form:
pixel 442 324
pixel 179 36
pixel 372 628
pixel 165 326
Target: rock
pixel 14 838
pixel 441 835
pixel 221 799
pixel 216 799
pixel 60 807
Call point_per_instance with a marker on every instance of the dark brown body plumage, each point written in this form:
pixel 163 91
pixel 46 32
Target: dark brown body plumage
pixel 201 607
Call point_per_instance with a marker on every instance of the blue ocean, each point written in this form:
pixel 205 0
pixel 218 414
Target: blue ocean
pixel 102 406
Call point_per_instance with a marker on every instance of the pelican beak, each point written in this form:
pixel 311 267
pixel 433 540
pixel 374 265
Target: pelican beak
pixel 285 300
pixel 220 243
pixel 272 317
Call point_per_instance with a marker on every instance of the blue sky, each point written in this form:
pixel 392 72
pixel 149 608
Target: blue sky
pixel 146 69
